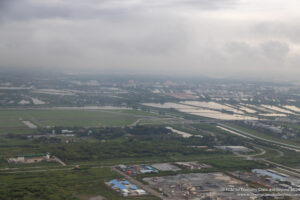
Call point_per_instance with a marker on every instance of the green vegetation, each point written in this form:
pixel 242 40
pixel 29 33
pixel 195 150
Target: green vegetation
pixel 135 142
pixel 234 164
pixel 111 144
pixel 140 112
pixel 262 135
pixel 60 185
pixel 290 158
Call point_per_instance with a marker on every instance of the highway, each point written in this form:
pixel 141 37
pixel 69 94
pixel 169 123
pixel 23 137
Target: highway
pixel 259 138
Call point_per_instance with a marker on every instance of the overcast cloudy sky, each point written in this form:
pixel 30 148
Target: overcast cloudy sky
pixel 230 38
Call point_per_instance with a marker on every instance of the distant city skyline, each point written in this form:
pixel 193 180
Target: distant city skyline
pixel 217 38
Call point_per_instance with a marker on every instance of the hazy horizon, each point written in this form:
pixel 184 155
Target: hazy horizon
pixel 214 38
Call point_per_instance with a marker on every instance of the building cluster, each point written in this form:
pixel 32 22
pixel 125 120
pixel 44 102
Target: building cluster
pixel 182 96
pixel 125 188
pixel 30 158
pixel 269 178
pixel 255 124
pixel 133 170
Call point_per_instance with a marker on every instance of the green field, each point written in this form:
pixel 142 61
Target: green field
pixel 11 120
pixel 140 113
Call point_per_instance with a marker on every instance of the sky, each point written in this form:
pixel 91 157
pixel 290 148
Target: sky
pixel 255 39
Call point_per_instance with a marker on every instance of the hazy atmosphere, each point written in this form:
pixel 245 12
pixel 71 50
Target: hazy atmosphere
pixel 220 38
pixel 149 99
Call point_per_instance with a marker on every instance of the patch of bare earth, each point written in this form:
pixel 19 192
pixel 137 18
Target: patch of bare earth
pixel 89 197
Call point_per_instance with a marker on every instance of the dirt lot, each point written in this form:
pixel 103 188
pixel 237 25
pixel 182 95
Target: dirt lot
pixel 88 197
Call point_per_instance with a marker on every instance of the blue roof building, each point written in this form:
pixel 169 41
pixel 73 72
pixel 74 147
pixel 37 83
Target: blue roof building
pixel 274 175
pixel 133 187
pixel 117 184
pixel 148 167
pixel 125 182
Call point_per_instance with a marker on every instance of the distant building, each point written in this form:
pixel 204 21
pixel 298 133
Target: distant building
pixel 140 192
pixel 274 129
pixel 122 167
pixel 234 148
pixel 125 188
pixel 148 169
pixel 66 131
pixel 270 173
pixel 30 158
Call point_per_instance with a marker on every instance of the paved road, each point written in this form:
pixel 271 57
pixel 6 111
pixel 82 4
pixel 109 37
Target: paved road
pixel 59 161
pixel 141 185
pixel 289 172
pixel 262 152
pixel 37 170
pixel 294 170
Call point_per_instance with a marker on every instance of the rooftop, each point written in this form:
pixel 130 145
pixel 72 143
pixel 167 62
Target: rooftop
pixel 34 155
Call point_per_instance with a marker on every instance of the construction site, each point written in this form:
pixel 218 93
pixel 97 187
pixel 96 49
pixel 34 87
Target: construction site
pixel 193 165
pixel 269 178
pixel 165 167
pixel 197 186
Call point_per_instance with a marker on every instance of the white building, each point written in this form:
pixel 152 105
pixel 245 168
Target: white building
pixel 140 192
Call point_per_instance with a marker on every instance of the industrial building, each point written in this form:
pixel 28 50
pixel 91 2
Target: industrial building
pixel 125 188
pixel 274 175
pixel 137 169
pixel 268 178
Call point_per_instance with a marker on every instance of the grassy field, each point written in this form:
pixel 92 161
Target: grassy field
pixel 151 122
pixel 11 120
pixel 281 156
pixel 140 112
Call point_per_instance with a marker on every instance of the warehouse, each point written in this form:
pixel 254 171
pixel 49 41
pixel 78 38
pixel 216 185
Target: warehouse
pixel 125 188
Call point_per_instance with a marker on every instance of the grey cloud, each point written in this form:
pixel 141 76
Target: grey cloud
pixel 274 29
pixel 242 55
pixel 4 4
pixel 110 9
pixel 208 4
pixel 145 35
pixel 27 10
pixel 240 49
pixel 272 55
pixel 274 49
